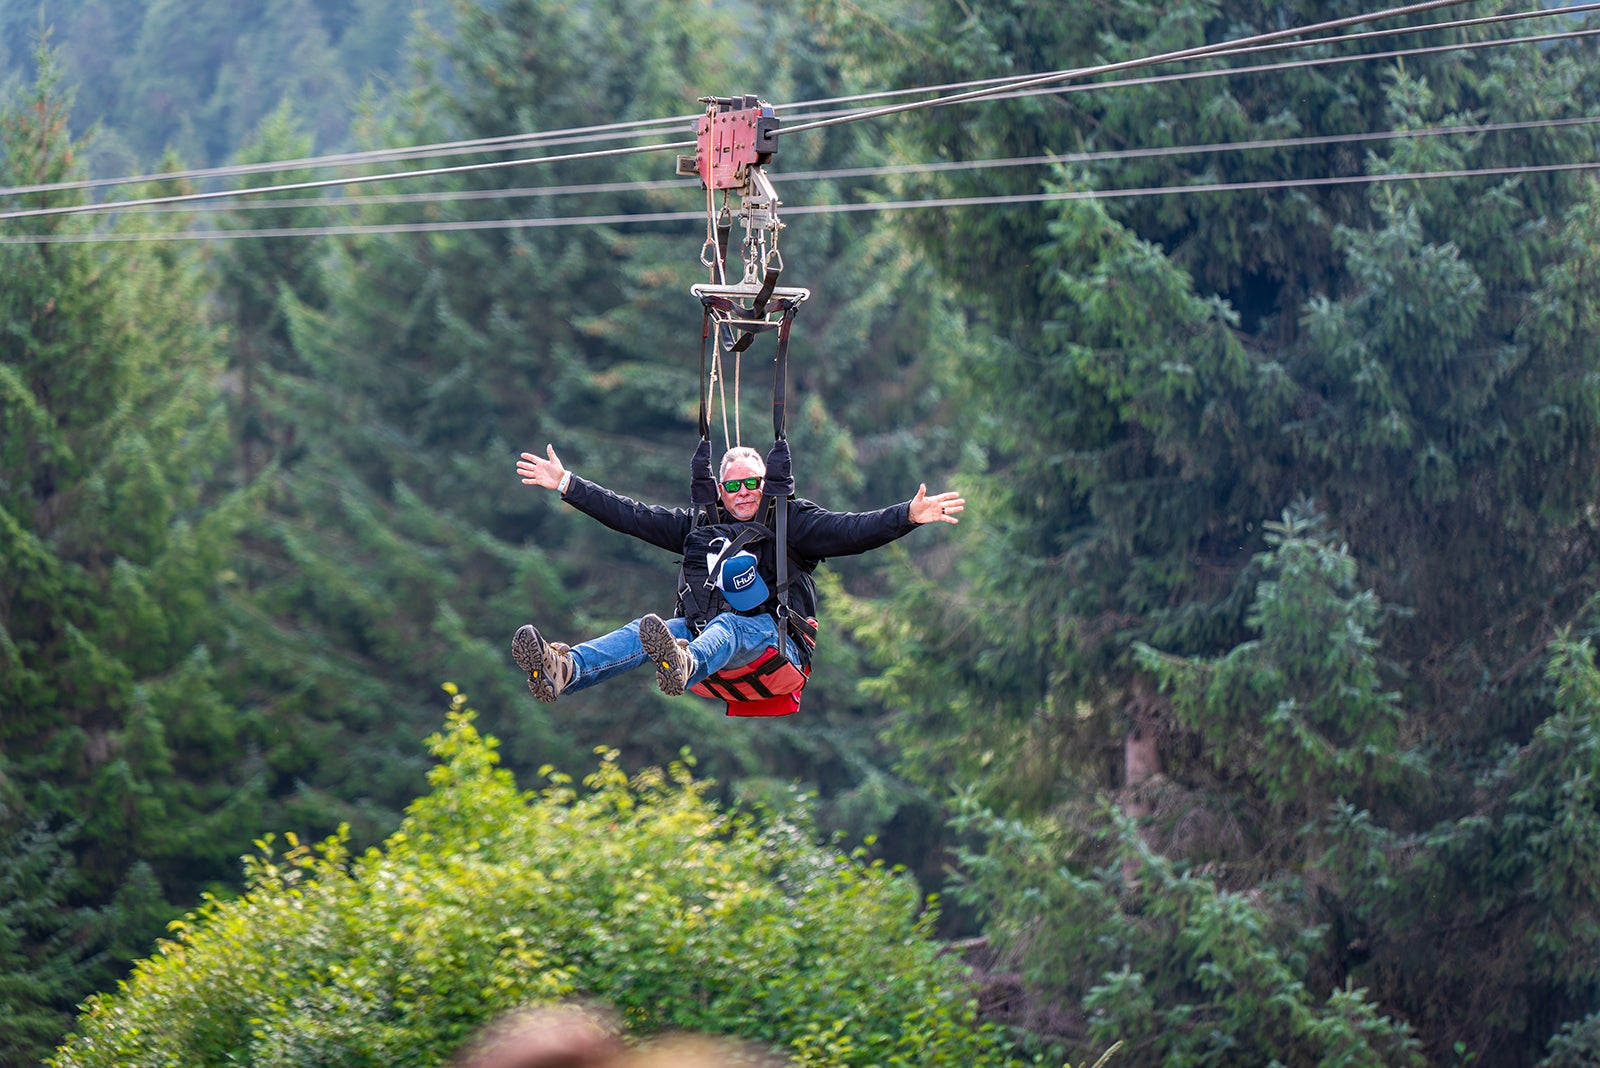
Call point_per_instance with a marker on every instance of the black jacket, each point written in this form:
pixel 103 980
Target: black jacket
pixel 814 534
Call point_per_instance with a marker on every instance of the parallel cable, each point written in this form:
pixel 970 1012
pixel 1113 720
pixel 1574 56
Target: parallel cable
pixel 657 127
pixel 1323 61
pixel 897 169
pixel 1005 79
pixel 1006 88
pixel 625 219
pixel 1197 52
pixel 325 183
pixel 992 90
pixel 1009 86
pixel 1205 187
pixel 183 198
pixel 503 142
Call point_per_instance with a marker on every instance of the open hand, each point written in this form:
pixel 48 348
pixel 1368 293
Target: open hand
pixel 543 471
pixel 939 508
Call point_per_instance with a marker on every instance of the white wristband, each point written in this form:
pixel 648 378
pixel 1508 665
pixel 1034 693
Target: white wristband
pixel 561 487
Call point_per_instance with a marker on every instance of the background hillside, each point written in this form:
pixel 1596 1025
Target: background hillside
pixel 154 77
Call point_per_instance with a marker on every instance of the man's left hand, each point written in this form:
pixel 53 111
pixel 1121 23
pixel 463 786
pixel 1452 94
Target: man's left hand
pixel 939 508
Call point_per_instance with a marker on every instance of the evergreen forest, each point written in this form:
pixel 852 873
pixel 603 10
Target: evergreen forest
pixel 1249 717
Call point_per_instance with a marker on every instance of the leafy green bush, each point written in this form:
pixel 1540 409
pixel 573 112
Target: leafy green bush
pixel 639 892
pixel 1576 1045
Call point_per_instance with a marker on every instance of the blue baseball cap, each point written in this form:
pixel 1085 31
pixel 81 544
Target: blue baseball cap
pixel 741 584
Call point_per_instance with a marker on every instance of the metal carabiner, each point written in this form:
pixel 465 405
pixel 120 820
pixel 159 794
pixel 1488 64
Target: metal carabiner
pixel 715 249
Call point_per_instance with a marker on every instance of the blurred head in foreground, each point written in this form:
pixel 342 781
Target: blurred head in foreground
pixel 573 1037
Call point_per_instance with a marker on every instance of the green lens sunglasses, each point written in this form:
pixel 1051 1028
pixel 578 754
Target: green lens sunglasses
pixel 732 485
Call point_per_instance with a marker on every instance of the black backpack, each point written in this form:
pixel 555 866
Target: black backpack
pixel 699 599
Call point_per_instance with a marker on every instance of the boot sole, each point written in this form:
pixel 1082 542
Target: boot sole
pixel 662 647
pixel 527 649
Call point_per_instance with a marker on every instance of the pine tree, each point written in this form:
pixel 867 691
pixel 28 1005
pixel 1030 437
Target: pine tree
pixel 1176 370
pixel 114 539
pixel 42 945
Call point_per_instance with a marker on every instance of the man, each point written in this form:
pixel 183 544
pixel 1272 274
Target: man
pixel 684 654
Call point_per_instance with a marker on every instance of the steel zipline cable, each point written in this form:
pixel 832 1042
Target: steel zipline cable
pixel 995 90
pixel 1225 48
pixel 992 89
pixel 647 185
pixel 504 142
pixel 633 218
pixel 896 169
pixel 618 130
pixel 1232 52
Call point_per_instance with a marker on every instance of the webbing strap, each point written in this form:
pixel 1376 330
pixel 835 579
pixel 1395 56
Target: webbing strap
pixel 729 547
pixel 758 307
pixel 705 385
pixel 768 675
pixel 779 389
pixel 702 484
pixel 724 228
pixel 783 578
pixel 781 373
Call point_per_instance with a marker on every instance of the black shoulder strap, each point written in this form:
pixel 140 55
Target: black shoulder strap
pixel 731 546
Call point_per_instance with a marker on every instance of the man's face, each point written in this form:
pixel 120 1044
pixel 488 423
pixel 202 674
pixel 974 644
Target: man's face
pixel 743 503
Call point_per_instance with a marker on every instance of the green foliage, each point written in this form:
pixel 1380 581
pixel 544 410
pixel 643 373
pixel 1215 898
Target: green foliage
pixel 54 950
pixel 1225 955
pixel 114 537
pixel 1577 1044
pixel 1300 713
pixel 156 76
pixel 42 945
pixel 1180 971
pixel 1414 360
pixel 116 548
pixel 1310 851
pixel 1103 440
pixel 638 891
pixel 1527 855
pixel 1441 414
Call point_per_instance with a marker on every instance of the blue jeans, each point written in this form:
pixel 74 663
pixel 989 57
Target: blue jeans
pixel 728 639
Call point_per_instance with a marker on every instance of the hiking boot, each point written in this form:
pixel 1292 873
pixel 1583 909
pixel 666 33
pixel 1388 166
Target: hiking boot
pixel 674 662
pixel 548 664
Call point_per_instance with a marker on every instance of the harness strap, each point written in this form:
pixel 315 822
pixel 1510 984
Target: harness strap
pixel 730 546
pixel 782 607
pixel 705 385
pixel 767 686
pixel 724 228
pixel 780 482
pixel 758 307
pixel 782 678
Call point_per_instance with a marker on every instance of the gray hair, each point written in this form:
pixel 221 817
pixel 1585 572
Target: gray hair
pixel 741 452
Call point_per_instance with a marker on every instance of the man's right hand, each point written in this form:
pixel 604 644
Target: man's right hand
pixel 543 471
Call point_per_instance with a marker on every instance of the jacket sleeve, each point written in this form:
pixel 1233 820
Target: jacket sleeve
pixel 816 533
pixel 664 527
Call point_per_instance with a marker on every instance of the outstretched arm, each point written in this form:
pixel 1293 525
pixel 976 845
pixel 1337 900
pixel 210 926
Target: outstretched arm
pixel 542 471
pixel 939 508
pixel 818 533
pixel 665 527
